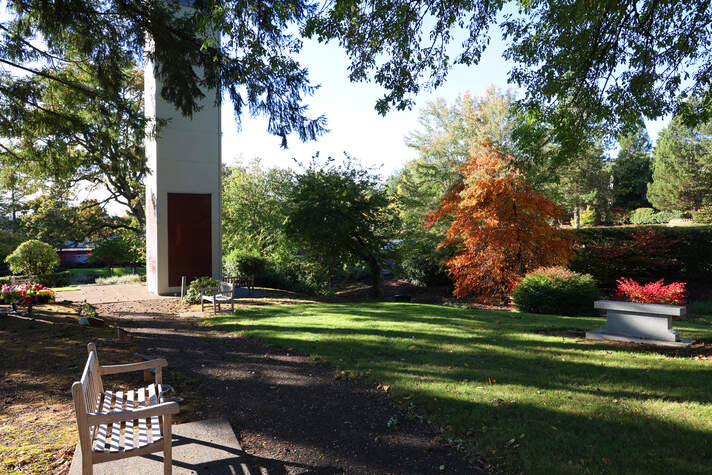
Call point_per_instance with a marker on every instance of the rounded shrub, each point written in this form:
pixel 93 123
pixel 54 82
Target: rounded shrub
pixel 556 290
pixel 33 257
pixel 239 262
pixel 643 216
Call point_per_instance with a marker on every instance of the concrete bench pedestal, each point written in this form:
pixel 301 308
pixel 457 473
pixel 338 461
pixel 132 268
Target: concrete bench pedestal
pixel 639 323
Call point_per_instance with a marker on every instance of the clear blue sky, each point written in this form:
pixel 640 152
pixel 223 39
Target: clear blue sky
pixel 355 126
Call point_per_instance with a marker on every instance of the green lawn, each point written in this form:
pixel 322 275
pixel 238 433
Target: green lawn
pixel 104 271
pixel 66 289
pixel 522 399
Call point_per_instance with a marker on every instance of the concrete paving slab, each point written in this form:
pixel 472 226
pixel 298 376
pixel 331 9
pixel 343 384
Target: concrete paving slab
pixel 203 447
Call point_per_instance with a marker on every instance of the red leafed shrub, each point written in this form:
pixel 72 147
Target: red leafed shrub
pixel 654 292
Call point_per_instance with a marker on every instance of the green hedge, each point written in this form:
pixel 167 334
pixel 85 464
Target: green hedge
pixel 57 279
pixel 643 253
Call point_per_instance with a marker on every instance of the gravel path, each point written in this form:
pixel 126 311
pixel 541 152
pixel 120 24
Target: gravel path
pixel 291 414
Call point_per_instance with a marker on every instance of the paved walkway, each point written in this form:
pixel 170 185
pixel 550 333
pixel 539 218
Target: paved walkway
pixel 96 294
pixel 206 447
pixel 293 414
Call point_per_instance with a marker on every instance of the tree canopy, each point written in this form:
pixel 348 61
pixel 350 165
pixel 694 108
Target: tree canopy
pixel 579 63
pixel 338 215
pixel 68 138
pixel 682 167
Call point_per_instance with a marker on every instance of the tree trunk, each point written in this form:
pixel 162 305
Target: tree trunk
pixel 577 217
pixel 376 276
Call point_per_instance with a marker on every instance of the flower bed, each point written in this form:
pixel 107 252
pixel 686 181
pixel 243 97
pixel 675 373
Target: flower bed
pixel 26 294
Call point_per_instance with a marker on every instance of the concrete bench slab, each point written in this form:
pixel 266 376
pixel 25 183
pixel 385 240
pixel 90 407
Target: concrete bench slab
pixel 638 323
pixel 208 446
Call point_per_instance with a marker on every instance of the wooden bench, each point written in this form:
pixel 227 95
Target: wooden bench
pixel 114 425
pixel 222 294
pixel 242 281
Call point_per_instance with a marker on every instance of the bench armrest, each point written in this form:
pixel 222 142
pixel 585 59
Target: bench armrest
pixel 127 368
pixel 95 419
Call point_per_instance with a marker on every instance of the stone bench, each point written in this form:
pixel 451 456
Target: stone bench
pixel 632 321
pixel 118 424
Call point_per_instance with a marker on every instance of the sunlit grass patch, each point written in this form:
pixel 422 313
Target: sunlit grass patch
pixel 527 392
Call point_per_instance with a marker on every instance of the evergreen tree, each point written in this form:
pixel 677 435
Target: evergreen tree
pixel 682 167
pixel 632 170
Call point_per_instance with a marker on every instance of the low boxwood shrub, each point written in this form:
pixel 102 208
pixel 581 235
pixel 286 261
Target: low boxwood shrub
pixel 642 216
pixel 197 286
pixel 556 290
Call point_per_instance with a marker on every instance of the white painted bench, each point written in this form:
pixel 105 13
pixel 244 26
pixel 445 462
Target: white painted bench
pixel 114 425
pixel 222 294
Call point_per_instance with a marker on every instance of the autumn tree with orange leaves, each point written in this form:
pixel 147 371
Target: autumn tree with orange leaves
pixel 499 226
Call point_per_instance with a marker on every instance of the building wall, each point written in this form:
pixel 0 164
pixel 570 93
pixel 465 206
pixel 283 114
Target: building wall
pixel 185 157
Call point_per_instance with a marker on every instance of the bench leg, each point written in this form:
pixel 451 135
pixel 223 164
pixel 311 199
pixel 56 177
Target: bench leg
pixel 167 445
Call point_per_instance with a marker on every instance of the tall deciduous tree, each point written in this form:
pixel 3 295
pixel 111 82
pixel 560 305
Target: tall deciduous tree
pixel 632 170
pixel 500 227
pixel 682 167
pixel 338 214
pixel 255 203
pixel 73 138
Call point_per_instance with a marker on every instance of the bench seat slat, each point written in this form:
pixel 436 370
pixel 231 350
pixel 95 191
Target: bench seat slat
pixel 129 428
pixel 142 428
pixel 115 441
pixel 153 400
pixel 100 445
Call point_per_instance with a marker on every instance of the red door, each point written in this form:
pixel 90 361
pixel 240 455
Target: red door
pixel 189 237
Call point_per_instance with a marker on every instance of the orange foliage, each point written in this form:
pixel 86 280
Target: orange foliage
pixel 500 227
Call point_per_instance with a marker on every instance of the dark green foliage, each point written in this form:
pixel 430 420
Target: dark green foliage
pixel 702 215
pixel 254 64
pixel 198 286
pixel 244 263
pixel 643 253
pixel 116 250
pixel 632 170
pixel 556 291
pixel 56 279
pixel 64 136
pixel 682 167
pixel 338 216
pixel 419 262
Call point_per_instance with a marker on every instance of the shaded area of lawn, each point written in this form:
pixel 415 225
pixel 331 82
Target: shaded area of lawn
pixel 521 398
pixel 39 360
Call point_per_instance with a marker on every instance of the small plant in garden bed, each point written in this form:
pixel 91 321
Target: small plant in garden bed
pixel 197 286
pixel 654 292
pixel 86 312
pixel 556 290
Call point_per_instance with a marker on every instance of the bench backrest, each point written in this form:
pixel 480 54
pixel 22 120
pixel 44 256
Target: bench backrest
pixel 240 280
pixel 88 388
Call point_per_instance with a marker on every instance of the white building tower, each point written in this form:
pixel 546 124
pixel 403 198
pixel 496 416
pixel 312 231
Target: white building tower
pixel 183 191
